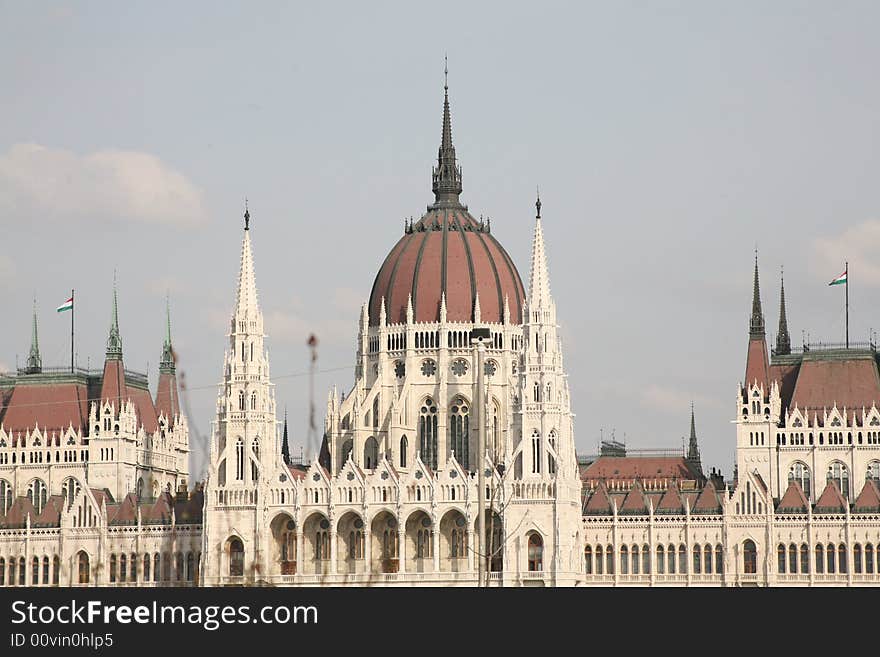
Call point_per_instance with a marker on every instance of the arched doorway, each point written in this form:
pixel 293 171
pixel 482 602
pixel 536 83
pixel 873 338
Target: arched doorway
pixel 454 554
pixel 236 557
pixel 385 547
pixel 351 547
pixel 316 545
pixel 750 557
pixel 493 543
pixel 284 538
pixel 419 543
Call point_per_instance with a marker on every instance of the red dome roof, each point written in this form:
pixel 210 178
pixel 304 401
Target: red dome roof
pixel 449 251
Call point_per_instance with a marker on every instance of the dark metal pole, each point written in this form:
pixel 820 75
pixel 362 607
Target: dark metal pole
pixel 72 310
pixel 846 285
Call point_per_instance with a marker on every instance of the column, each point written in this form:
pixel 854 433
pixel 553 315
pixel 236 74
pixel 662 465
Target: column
pixel 471 548
pixel 435 534
pixel 401 548
pixel 368 550
pixel 300 550
pixel 333 550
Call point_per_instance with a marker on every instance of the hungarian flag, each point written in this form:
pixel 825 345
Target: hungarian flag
pixel 840 280
pixel 67 305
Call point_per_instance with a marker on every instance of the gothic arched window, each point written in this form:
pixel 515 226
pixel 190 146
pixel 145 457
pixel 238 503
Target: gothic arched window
pixel 459 432
pixel 241 400
pixel 236 558
pixel 800 473
pixel 239 460
pixel 371 453
pixel 253 401
pixel 428 433
pixel 536 553
pixel 70 488
pixel 750 557
pixel 536 452
pixel 551 461
pixel 404 448
pixel 873 471
pixel 5 496
pixel 839 474
pixel 38 494
pixel 255 470
pixel 347 446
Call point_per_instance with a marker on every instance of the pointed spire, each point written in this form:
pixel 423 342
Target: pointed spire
pixel 285 446
pixel 166 364
pixel 693 453
pixel 382 314
pixel 34 361
pixel 446 175
pixel 114 341
pixel 539 284
pixel 247 304
pixel 478 313
pixel 756 323
pixel 409 310
pixel 506 309
pixel 783 341
pixel 443 307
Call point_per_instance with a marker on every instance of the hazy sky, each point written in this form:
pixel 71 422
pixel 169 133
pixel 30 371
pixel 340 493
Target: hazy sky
pixel 668 139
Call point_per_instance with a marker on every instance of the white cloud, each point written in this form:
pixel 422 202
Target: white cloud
pixel 107 185
pixel 858 245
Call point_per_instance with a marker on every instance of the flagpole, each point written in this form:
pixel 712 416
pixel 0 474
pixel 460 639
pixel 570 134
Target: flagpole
pixel 72 310
pixel 846 285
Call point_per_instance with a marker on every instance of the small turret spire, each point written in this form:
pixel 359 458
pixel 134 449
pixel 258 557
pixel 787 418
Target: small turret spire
pixel 34 361
pixel 539 283
pixel 783 341
pixel 166 364
pixel 693 455
pixel 756 323
pixel 114 341
pixel 285 446
pixel 447 174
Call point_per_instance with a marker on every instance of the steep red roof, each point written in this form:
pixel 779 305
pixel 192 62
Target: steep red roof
pixel 448 251
pixel 707 501
pixel 786 375
pixel 16 515
pixel 113 383
pixel 853 383
pixel 831 501
pixel 599 502
pixel 297 472
pixel 637 467
pixel 635 501
pixel 670 502
pixel 124 513
pixel 757 365
pixel 159 512
pixel 868 500
pixel 53 407
pixel 794 500
pixel 167 399
pixel 143 404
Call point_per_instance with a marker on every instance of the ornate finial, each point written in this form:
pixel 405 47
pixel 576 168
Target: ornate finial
pixel 247 215
pixel 538 203
pixel 445 72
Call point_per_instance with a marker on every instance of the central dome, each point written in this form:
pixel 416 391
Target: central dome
pixel 448 252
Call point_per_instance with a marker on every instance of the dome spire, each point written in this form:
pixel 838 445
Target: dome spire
pixel 114 341
pixel 447 174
